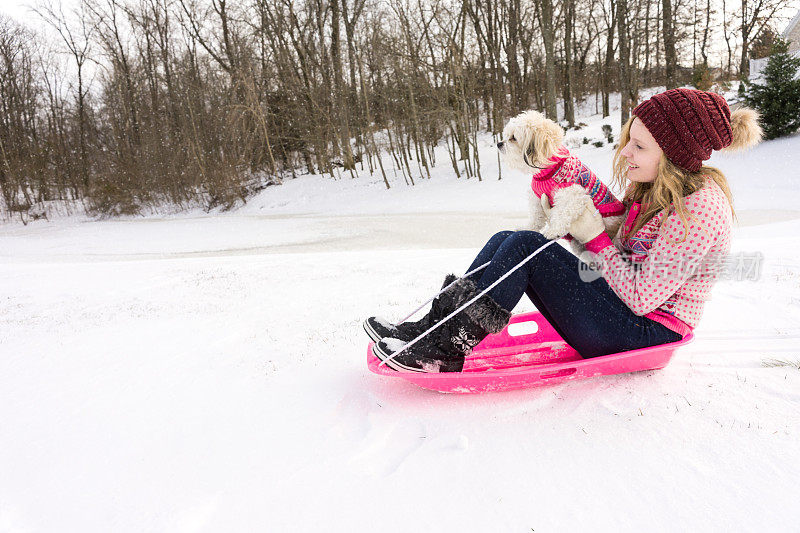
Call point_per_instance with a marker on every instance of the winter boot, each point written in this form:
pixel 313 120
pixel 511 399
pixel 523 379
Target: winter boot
pixel 378 328
pixel 445 348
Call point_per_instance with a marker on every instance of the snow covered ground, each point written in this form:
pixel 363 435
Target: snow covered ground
pixel 208 373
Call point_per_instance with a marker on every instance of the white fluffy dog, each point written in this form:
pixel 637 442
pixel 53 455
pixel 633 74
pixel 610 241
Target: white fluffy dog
pixel 533 143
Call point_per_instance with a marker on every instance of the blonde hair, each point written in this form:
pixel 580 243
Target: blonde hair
pixel 667 191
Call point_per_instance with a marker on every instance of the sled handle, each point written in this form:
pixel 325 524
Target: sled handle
pixel 520 329
pixel 432 298
pixel 466 304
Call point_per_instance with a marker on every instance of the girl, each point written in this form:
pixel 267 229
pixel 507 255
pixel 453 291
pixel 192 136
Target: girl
pixel 657 273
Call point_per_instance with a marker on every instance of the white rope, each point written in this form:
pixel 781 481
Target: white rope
pixel 464 306
pixel 444 289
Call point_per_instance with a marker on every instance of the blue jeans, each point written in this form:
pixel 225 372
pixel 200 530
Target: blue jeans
pixel 588 315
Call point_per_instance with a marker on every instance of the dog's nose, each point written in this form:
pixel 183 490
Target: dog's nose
pixel 500 145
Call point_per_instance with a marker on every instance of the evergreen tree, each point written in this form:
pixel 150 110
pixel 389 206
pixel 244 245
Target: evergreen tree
pixel 778 97
pixel 762 45
pixel 701 77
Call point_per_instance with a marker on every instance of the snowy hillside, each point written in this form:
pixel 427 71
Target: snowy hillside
pixel 208 373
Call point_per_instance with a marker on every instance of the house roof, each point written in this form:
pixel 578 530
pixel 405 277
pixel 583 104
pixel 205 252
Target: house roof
pixel 791 25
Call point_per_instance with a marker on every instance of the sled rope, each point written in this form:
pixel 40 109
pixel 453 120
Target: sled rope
pixel 464 306
pixel 412 313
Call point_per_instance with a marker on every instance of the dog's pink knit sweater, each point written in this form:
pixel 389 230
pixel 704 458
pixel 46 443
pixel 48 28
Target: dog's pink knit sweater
pixel 665 272
pixel 568 170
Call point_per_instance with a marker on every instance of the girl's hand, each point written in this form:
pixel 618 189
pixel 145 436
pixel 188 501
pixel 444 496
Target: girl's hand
pixel 586 226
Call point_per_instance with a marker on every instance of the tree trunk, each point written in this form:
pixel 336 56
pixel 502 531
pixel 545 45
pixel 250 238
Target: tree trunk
pixel 744 64
pixel 624 60
pixel 647 70
pixel 670 57
pixel 606 72
pixel 705 34
pixel 511 54
pixel 341 113
pixel 548 36
pixel 569 106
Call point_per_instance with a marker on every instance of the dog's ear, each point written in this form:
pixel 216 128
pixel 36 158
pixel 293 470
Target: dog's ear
pixel 508 130
pixel 545 143
pixel 525 137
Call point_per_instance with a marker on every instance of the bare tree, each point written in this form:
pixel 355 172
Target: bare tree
pixel 76 36
pixel 606 72
pixel 624 60
pixel 548 36
pixel 569 19
pixel 754 16
pixel 205 102
pixel 670 57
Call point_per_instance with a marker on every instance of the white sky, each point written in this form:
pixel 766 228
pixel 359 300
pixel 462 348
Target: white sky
pixel 20 10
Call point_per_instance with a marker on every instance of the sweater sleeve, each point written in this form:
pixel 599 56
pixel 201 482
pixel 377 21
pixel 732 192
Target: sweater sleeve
pixel 671 260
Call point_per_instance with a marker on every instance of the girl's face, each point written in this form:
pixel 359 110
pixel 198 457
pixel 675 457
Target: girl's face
pixel 642 154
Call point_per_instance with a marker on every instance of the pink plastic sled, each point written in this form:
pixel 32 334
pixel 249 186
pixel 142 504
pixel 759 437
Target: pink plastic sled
pixel 527 353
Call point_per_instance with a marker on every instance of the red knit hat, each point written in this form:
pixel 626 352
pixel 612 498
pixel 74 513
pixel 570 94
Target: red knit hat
pixel 687 124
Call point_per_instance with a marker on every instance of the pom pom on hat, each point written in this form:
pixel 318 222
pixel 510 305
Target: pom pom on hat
pixel 745 128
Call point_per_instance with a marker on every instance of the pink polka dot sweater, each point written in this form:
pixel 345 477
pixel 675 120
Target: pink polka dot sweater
pixel 665 272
